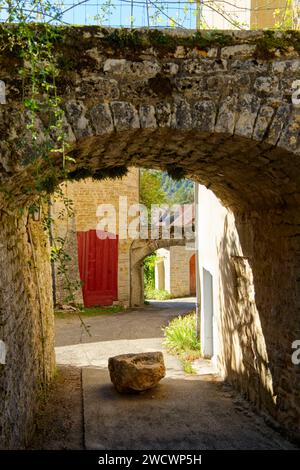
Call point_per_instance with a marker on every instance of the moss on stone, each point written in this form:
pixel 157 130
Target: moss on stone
pixel 165 42
pixel 79 174
pixel 271 42
pixel 112 172
pixel 98 175
pixel 48 184
pixel 120 38
pixel 175 172
pixel 210 39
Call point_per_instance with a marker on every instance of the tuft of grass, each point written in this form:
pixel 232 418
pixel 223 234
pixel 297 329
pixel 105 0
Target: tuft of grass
pixel 187 367
pixel 156 294
pixel 181 340
pixel 88 311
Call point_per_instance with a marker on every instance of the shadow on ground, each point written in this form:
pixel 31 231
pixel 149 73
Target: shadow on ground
pixel 84 411
pixel 201 413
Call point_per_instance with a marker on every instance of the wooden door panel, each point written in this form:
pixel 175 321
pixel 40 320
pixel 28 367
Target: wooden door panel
pixel 193 275
pixel 98 268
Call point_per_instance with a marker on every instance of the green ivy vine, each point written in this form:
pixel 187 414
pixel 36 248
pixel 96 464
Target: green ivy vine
pixel 34 45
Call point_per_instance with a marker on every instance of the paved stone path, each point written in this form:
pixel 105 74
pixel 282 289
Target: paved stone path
pixel 200 413
pixel 134 324
pixel 183 412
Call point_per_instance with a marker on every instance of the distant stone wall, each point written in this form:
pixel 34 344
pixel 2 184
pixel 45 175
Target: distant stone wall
pixel 180 271
pixel 177 269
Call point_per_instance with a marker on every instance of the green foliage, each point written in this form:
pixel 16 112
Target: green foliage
pixel 157 294
pixel 159 38
pixel 158 187
pixel 208 39
pixel 120 38
pixel 133 38
pixel 180 334
pixel 81 173
pixel 34 46
pixel 178 192
pixel 89 312
pixel 181 340
pixel 47 185
pixel 187 366
pixel 285 18
pixel 149 270
pixel 183 196
pixel 151 191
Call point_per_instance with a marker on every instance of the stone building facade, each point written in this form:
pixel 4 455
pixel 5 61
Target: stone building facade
pixel 174 271
pixel 86 196
pixel 175 268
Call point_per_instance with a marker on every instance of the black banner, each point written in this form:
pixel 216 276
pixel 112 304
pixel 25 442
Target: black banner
pixel 137 459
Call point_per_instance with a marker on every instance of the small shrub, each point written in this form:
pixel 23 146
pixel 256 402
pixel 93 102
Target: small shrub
pixel 181 340
pixel 149 272
pixel 156 294
pixel 181 334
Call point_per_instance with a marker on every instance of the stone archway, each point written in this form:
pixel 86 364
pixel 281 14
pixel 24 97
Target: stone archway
pixel 224 112
pixel 139 250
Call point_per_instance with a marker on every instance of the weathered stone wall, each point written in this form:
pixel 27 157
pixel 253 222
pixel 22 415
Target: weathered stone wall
pixel 273 258
pixel 175 100
pixel 86 196
pixel 256 316
pixel 66 289
pixel 220 108
pixel 26 325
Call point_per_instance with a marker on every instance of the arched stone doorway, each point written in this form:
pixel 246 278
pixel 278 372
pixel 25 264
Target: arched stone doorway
pixel 139 250
pixel 222 115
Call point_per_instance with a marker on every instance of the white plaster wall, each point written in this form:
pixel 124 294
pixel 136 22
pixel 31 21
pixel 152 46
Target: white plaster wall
pixel 212 216
pixel 238 10
pixel 227 249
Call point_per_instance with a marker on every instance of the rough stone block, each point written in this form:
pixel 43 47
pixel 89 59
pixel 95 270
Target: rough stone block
pixel 101 118
pixel 136 372
pixel 125 116
pixel 242 50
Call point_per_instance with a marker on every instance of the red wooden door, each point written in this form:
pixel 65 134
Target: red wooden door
pixel 193 275
pixel 98 268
